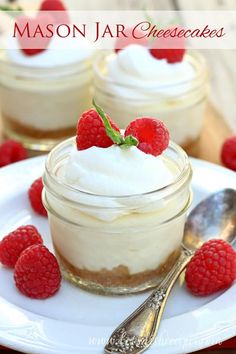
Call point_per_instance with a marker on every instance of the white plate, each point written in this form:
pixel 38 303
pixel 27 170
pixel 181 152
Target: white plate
pixel 75 321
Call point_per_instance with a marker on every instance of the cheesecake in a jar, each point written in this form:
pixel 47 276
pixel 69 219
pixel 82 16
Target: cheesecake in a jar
pixel 117 212
pixel 132 82
pixel 42 94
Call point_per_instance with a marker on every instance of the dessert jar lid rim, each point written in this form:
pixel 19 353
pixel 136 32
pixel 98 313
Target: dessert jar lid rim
pixel 184 175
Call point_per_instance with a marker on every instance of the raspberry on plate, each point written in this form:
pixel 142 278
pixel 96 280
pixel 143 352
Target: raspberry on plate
pixel 16 242
pixel 37 274
pixel 212 268
pixel 91 131
pixel 11 151
pixel 228 153
pixel 35 197
pixel 152 134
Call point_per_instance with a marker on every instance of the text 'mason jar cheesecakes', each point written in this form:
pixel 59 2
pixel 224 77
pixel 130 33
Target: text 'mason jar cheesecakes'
pixel 44 91
pixel 136 82
pixel 117 204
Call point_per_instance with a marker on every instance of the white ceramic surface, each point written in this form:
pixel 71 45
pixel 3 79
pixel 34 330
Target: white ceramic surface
pixel 75 321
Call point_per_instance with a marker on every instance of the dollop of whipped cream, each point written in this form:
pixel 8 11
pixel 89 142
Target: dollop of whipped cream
pixel 134 65
pixel 61 51
pixel 116 171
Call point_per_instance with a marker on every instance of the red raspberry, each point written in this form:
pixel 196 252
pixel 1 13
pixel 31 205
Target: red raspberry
pixel 34 45
pixel 16 242
pixel 170 54
pixel 35 197
pixel 60 15
pixel 32 51
pixel 171 48
pixel 91 131
pixel 11 151
pixel 228 153
pixel 37 273
pixel 152 134
pixel 212 268
pixel 132 38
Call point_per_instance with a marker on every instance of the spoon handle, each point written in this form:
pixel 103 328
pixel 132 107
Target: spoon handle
pixel 139 330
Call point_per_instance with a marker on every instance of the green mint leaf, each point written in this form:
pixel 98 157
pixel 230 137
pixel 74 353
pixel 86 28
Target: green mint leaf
pixel 130 140
pixel 115 136
pixel 10 8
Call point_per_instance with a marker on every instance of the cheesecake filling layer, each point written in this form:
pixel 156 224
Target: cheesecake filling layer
pixel 137 248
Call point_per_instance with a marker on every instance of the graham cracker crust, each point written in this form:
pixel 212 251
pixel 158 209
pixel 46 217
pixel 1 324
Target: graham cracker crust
pixel 32 132
pixel 120 276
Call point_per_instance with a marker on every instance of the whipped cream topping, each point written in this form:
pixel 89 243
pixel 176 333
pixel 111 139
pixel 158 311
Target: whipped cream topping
pixel 116 171
pixel 61 51
pixel 135 66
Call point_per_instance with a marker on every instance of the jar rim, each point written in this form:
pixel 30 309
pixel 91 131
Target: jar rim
pixel 195 58
pixel 184 176
pixel 164 222
pixel 35 72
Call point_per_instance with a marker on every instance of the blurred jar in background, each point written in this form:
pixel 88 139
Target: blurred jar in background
pixel 43 95
pixel 132 83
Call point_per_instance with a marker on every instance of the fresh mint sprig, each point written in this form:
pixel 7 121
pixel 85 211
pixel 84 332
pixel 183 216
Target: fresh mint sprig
pixel 114 135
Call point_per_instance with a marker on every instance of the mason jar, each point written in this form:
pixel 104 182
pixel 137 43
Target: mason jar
pixel 181 106
pixel 40 106
pixel 116 244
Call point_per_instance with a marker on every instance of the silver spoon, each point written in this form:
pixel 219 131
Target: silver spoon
pixel 214 217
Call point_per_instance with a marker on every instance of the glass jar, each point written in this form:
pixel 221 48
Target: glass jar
pixel 180 106
pixel 40 106
pixel 116 245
